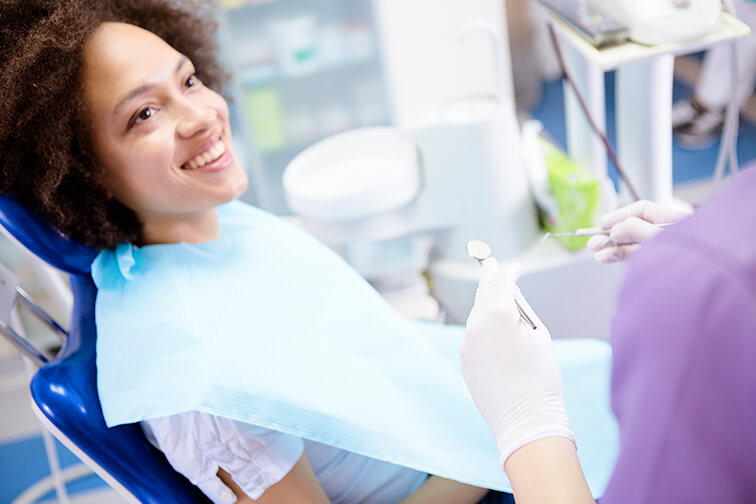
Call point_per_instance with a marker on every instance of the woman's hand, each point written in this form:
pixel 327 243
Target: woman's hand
pixel 511 369
pixel 438 490
pixel 300 485
pixel 631 226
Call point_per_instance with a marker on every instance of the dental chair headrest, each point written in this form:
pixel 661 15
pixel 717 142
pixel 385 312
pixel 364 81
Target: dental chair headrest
pixel 43 240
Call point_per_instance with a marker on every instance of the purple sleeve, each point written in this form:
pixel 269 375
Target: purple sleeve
pixel 684 377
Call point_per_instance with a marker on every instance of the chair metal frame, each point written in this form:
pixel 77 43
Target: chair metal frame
pixel 64 392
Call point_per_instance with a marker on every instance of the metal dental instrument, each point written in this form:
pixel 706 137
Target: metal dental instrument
pixel 592 231
pixel 583 232
pixel 480 251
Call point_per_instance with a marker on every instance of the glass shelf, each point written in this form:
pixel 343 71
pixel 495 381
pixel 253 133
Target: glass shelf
pixel 303 70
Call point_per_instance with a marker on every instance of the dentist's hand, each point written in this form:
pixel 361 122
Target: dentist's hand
pixel 631 226
pixel 511 369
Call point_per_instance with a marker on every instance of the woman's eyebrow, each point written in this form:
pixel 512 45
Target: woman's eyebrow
pixel 145 87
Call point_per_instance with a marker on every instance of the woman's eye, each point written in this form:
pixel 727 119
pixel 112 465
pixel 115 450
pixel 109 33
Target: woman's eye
pixel 143 115
pixel 191 81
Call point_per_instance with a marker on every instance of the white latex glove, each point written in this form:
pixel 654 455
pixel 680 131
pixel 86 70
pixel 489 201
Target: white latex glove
pixel 631 226
pixel 511 369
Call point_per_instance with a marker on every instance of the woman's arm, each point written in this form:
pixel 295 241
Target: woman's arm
pixel 437 490
pixel 547 471
pixel 299 485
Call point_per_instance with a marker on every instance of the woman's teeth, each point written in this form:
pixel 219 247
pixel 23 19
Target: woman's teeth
pixel 203 158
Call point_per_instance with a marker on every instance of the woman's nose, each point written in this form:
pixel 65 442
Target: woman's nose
pixel 196 119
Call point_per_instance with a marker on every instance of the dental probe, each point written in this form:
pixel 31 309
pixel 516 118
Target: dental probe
pixel 480 251
pixel 593 231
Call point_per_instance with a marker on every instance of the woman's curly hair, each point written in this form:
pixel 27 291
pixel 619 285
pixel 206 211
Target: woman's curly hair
pixel 47 160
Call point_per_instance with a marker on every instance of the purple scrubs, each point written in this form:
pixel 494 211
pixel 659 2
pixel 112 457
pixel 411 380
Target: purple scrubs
pixel 684 375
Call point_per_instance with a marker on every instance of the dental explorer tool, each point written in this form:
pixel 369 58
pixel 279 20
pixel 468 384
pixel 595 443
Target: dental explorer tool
pixel 592 231
pixel 480 251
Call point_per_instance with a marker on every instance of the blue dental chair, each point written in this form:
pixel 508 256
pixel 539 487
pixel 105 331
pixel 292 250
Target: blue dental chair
pixel 64 391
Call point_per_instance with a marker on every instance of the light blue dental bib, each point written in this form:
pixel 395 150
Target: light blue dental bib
pixel 268 326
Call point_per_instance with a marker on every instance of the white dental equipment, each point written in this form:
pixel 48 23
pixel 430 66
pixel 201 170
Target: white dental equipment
pixel 451 168
pixel 454 109
pixel 663 21
pixel 649 22
pixel 480 251
pixel 595 26
pixel 643 86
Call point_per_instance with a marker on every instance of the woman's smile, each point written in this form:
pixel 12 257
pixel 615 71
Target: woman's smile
pixel 212 151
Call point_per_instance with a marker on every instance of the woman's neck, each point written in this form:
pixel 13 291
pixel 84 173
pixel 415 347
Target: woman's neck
pixel 191 228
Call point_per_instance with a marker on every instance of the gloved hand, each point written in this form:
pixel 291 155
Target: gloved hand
pixel 631 226
pixel 511 369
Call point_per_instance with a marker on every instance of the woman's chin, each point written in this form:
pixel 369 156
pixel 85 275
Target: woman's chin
pixel 240 185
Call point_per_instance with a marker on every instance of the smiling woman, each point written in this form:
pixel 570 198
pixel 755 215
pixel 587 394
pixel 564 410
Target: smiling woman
pixel 111 130
pixel 51 140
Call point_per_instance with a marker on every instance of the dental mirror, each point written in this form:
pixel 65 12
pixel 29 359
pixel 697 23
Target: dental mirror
pixel 480 251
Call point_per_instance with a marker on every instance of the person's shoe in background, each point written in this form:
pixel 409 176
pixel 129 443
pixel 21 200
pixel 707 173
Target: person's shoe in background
pixel 702 131
pixel 684 111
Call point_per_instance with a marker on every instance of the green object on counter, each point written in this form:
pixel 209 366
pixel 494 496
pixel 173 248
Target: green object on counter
pixel 263 110
pixel 577 194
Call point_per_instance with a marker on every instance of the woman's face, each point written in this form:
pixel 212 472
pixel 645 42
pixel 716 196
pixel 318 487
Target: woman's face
pixel 163 138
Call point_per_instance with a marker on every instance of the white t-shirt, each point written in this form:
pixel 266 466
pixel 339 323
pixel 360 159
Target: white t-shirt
pixel 197 444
